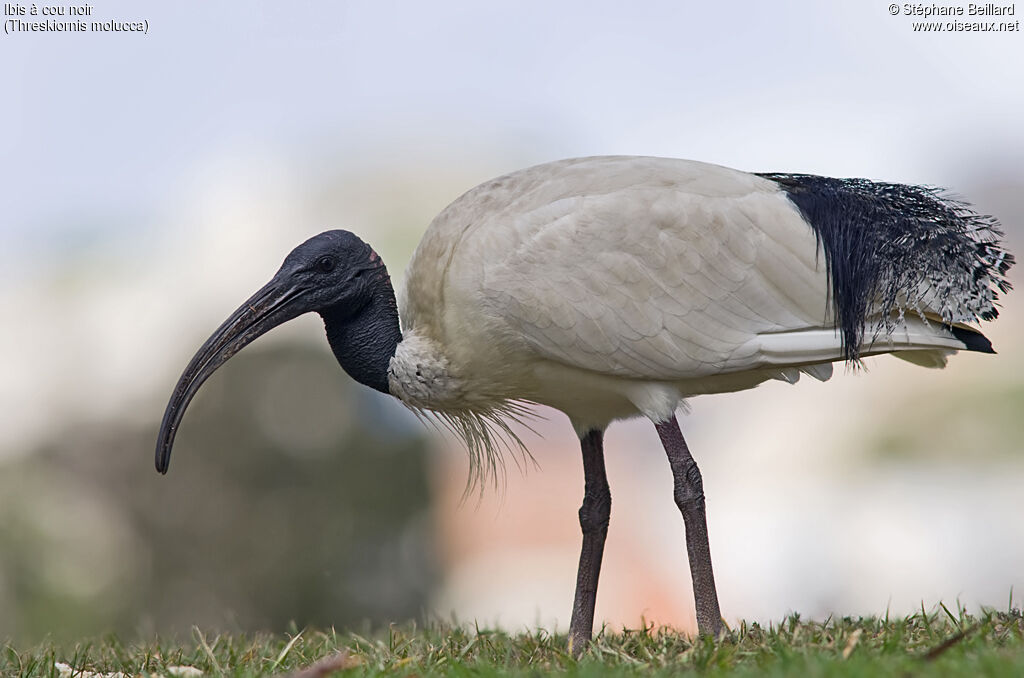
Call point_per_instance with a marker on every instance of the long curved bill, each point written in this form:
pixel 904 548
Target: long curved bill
pixel 273 305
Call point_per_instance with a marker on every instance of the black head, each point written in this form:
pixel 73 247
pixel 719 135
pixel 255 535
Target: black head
pixel 335 274
pixel 332 270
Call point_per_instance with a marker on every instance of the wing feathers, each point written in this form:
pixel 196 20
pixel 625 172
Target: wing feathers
pixel 661 270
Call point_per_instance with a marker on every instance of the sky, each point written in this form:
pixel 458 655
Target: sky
pixel 101 126
pixel 151 182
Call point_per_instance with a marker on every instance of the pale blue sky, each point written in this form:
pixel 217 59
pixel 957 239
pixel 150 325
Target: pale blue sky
pixel 102 130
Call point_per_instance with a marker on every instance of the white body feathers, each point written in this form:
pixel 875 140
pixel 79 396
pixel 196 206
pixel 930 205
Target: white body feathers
pixel 616 286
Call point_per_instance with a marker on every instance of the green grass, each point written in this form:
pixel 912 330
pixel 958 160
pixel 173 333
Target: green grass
pixel 926 644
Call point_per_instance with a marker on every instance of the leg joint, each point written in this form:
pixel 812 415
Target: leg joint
pixel 689 486
pixel 596 510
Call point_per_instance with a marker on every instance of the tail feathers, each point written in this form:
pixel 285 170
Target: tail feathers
pixel 973 340
pixel 931 359
pixel 893 250
pixel 912 339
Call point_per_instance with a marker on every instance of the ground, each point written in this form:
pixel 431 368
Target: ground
pixel 936 643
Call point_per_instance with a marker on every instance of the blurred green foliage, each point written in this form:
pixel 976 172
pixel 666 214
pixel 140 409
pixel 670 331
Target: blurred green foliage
pixel 965 426
pixel 293 495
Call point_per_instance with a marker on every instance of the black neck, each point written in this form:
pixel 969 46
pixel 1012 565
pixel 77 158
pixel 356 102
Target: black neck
pixel 365 341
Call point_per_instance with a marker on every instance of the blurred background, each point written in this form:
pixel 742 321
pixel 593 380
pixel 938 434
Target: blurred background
pixel 150 183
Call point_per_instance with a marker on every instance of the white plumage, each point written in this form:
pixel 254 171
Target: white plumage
pixel 615 286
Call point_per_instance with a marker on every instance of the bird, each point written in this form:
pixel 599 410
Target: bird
pixel 616 287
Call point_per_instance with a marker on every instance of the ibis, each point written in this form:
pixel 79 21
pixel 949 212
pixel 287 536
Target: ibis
pixel 617 287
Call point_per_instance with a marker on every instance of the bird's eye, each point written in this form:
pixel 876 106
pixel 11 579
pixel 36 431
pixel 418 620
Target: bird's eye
pixel 325 264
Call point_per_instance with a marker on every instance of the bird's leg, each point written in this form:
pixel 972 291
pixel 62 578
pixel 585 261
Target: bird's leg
pixel 689 496
pixel 597 506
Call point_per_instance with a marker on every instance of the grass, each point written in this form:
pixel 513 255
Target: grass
pixel 939 643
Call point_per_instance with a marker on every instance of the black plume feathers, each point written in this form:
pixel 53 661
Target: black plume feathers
pixel 893 247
